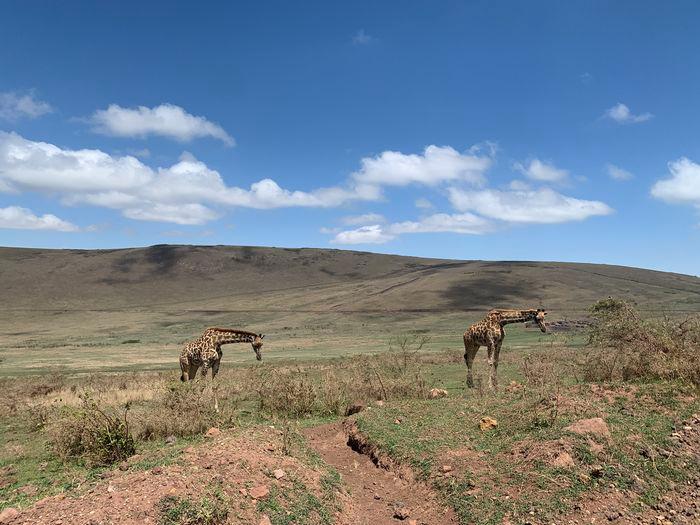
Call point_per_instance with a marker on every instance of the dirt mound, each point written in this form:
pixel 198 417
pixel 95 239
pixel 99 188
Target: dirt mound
pixel 380 495
pixel 595 426
pixel 241 468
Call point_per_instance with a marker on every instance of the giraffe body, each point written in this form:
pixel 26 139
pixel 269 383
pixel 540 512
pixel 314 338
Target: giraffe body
pixel 205 351
pixel 489 332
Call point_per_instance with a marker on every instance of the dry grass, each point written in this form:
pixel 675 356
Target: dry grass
pixel 624 346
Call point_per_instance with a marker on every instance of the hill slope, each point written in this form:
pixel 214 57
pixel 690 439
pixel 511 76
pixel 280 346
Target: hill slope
pixel 218 277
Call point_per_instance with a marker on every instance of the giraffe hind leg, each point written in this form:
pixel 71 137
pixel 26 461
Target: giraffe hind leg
pixel 470 350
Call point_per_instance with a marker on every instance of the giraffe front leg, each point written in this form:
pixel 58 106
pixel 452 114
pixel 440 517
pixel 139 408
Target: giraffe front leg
pixel 491 348
pixel 470 351
pixel 214 371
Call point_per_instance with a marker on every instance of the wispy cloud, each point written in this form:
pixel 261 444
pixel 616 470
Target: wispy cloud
pixel 166 120
pixel 367 218
pixel 16 218
pixel 14 106
pixel 621 114
pixel 423 204
pixel 541 171
pixel 617 173
pixel 361 38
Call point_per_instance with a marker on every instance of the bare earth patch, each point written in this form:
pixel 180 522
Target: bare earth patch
pixel 379 496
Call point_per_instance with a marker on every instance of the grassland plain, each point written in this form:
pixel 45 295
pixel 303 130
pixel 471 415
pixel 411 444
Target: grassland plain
pixel 341 327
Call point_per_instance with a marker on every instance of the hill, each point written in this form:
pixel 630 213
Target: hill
pixel 133 308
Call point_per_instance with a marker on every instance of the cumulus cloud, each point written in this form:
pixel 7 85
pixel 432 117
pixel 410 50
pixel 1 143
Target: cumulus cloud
pixel 167 120
pixel 372 234
pixel 435 166
pixel 541 171
pixel 683 186
pixel 617 173
pixel 621 114
pixel 16 218
pixel 14 106
pixel 543 206
pixel 182 193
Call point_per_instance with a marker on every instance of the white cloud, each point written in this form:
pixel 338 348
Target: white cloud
pixel 181 193
pixel 618 173
pixel 465 223
pixel 527 206
pixel 621 113
pixel 542 171
pixel 434 166
pixel 367 218
pixel 683 186
pixel 14 106
pixel 361 38
pixel 166 120
pixel 519 185
pixel 372 234
pixel 16 218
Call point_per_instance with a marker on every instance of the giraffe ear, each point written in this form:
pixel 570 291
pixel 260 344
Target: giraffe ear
pixel 261 336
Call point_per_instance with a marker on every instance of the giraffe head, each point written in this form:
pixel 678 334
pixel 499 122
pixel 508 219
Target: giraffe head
pixel 539 318
pixel 257 346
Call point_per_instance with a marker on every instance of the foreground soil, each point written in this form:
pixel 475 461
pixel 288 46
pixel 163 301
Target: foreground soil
pixel 379 496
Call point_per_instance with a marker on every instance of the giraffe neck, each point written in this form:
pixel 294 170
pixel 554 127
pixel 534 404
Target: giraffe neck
pixel 512 316
pixel 224 336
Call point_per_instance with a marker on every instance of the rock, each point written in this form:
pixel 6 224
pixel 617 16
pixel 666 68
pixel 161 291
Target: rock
pixel 354 408
pixel 379 403
pixel 377 497
pixel 596 426
pixel 170 440
pixel 212 432
pixel 243 491
pixel 259 492
pixel 397 421
pixel 412 522
pixel 563 460
pixel 279 473
pixel 265 520
pixel 401 512
pixel 487 423
pixel 446 468
pixel 8 515
pixel 436 393
pixel 157 470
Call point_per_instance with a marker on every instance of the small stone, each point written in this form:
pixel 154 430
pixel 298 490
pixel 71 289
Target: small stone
pixel 487 423
pixel 111 488
pixel 170 440
pixel 123 466
pixel 377 497
pixel 212 432
pixel 446 468
pixel 157 470
pixel 265 520
pixel 379 403
pixel 401 512
pixel 8 515
pixel 279 473
pixel 397 421
pixel 687 428
pixel 436 393
pixel 259 492
pixel 243 491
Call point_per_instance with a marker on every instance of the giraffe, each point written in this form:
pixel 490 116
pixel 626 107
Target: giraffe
pixel 205 351
pixel 489 333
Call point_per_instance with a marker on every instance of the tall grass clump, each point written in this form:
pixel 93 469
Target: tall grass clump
pixel 99 436
pixel 623 346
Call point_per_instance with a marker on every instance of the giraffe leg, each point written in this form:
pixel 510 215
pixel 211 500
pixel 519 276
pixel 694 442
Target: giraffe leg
pixel 470 350
pixel 193 371
pixel 214 371
pixel 185 368
pixel 491 348
pixel 496 354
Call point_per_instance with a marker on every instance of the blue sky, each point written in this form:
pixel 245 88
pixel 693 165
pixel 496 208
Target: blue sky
pixel 473 130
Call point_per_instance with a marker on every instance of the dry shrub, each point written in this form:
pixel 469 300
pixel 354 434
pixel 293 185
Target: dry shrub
pixel 95 434
pixel 625 346
pixel 543 379
pixel 185 409
pixel 396 374
pixel 285 391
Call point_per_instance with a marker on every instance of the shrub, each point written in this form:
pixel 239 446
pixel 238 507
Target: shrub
pixel 210 510
pixel 92 433
pixel 625 346
pixel 290 392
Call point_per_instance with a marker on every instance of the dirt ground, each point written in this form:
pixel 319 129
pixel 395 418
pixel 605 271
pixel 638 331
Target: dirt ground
pixel 378 496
